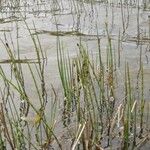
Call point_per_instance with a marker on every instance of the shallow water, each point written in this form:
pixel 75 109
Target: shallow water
pixel 73 21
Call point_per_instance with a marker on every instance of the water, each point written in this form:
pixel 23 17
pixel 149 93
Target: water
pixel 75 21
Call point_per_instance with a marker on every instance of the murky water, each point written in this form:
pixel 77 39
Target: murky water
pixel 73 21
pixel 86 19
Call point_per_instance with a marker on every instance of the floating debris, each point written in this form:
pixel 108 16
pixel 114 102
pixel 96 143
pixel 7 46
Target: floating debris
pixel 18 61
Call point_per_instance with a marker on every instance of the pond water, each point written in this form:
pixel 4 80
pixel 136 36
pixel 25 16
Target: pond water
pixel 74 21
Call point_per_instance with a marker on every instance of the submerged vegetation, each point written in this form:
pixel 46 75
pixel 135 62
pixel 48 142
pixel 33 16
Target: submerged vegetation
pixel 102 102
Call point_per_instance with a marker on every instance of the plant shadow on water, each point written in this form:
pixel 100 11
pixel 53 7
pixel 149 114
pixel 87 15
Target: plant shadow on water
pixel 99 59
